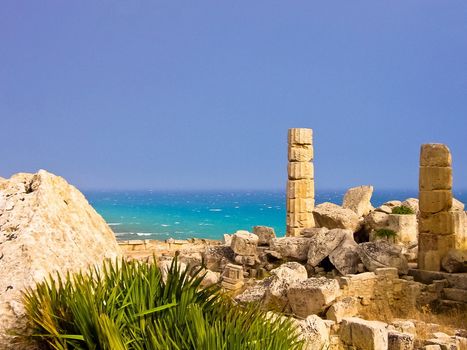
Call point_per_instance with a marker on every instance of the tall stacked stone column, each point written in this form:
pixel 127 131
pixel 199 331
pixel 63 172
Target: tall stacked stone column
pixel 437 226
pixel 300 184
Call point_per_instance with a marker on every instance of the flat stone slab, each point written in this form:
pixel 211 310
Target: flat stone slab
pixel 456 280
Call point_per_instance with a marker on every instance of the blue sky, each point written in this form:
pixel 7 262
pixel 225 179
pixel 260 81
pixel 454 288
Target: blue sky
pixel 200 94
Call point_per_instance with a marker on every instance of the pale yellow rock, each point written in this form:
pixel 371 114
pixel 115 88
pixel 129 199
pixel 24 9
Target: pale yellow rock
pixel 432 248
pixel 442 223
pixel 435 201
pixel 294 231
pixel 300 153
pixel 300 188
pixel 436 155
pixel 435 178
pixel 300 170
pixel 302 220
pixel 47 226
pixel 405 227
pixel 300 136
pixel 358 199
pixel 300 205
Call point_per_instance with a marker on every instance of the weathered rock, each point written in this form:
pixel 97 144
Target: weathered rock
pixel 314 331
pixel 210 277
pixel 323 243
pixel 255 293
pixel 405 227
pixel 400 341
pixel 227 239
pixel 264 233
pixel 376 220
pixel 457 205
pixel 381 253
pixel 281 278
pixel 217 257
pixel 384 209
pixel 404 326
pixel 346 257
pixel 392 204
pixel 358 200
pixel 291 247
pixel 46 225
pixel 364 335
pixel 312 296
pixel 411 203
pixel 331 215
pixel 164 266
pixel 347 307
pixel 455 261
pixel 244 243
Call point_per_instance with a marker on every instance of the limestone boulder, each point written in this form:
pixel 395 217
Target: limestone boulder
pixel 323 243
pixel 314 332
pixel 412 203
pixel 400 341
pixel 392 204
pixel 362 334
pixel 295 248
pixel 457 205
pixel 455 261
pixel 347 307
pixel 254 293
pixel 331 215
pixel 376 220
pixel 265 234
pixel 281 279
pixel 244 243
pixel 312 295
pixel 405 227
pixel 384 209
pixel 346 256
pixel 46 226
pixel 358 199
pixel 381 253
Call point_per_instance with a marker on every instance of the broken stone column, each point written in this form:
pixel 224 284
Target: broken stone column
pixel 232 277
pixel 300 184
pixel 437 227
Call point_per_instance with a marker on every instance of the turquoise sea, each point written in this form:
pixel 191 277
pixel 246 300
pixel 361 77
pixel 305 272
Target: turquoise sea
pixel 161 215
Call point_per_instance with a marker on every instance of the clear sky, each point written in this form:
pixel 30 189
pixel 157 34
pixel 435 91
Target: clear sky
pixel 200 94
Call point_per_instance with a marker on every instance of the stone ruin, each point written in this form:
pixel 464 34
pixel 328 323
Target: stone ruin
pixel 332 267
pixel 300 183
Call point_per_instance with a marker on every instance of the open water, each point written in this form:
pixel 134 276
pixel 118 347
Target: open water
pixel 180 215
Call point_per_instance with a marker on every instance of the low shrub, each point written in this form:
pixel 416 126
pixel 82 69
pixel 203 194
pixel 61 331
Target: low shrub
pixel 402 210
pixel 385 233
pixel 127 305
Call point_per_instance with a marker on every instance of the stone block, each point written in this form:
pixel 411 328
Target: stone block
pixel 455 294
pixel 300 153
pixel 347 307
pixel 300 170
pixel 435 178
pixel 300 188
pixel 362 334
pixel 300 205
pixel 293 231
pixel 405 227
pixel 332 216
pixel 358 200
pixel 244 243
pixel 442 223
pixel 264 233
pixel 300 136
pixel 295 248
pixel 432 248
pixel 435 154
pixel 312 295
pixel 435 201
pixel 302 220
pixel 400 341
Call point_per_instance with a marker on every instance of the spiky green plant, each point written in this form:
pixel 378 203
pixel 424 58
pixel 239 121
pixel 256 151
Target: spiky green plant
pixel 385 233
pixel 402 210
pixel 127 305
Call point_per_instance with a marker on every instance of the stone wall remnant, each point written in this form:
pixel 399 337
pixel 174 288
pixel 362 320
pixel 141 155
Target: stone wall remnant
pixel 300 184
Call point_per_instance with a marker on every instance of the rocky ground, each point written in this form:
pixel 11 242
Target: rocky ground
pixel 350 283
